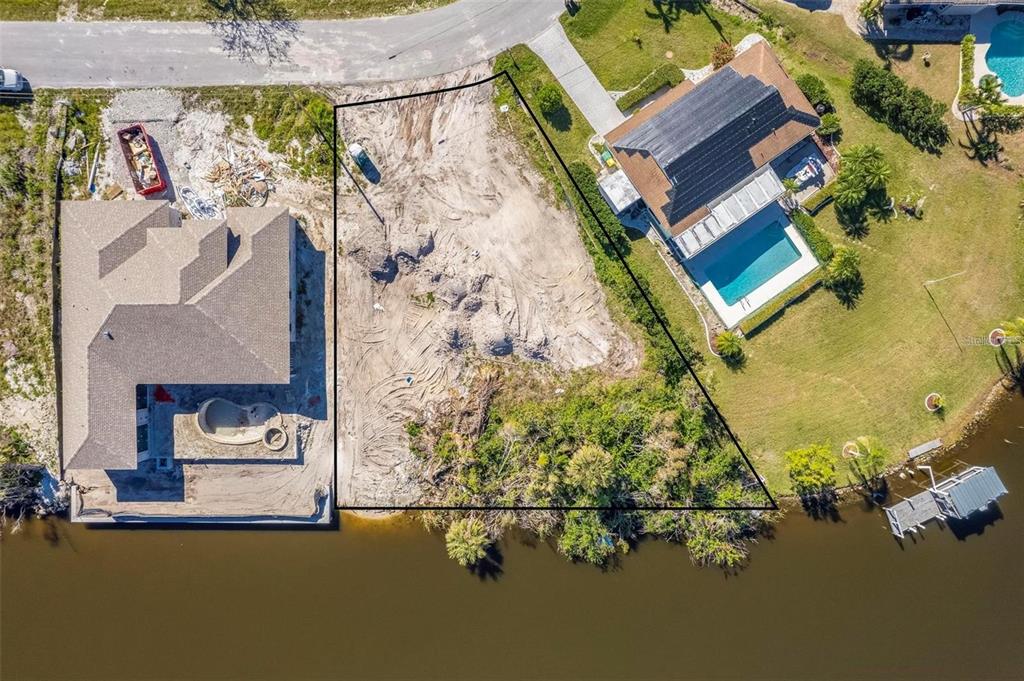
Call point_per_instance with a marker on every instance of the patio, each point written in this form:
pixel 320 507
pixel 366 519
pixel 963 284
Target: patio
pixel 806 163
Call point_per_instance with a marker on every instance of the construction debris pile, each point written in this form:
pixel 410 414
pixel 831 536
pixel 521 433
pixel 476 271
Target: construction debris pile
pixel 247 177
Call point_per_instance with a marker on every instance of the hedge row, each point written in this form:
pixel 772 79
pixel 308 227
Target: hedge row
pixel 613 275
pixel 820 199
pixel 814 237
pixel 906 110
pixel 666 75
pixel 775 308
pixel 966 69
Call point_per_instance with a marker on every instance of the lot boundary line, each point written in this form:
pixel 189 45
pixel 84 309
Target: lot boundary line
pixel 333 143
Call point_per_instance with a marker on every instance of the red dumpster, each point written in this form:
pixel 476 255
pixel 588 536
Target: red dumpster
pixel 142 165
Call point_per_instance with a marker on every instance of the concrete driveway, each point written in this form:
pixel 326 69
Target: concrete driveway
pixel 146 54
pixel 579 81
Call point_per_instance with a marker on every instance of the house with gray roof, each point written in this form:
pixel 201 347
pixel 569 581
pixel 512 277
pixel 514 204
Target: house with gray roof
pixel 147 298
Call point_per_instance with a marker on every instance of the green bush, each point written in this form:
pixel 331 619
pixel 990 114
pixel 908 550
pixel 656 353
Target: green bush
pixel 843 268
pixel 666 75
pixel 967 91
pixel 820 199
pixel 549 99
pixel 613 275
pixel 908 111
pixel 864 173
pixel 815 238
pixel 815 91
pixel 812 469
pixel 830 126
pixel 1007 118
pixel 467 541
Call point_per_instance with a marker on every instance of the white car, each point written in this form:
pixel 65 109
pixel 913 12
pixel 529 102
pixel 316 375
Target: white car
pixel 10 80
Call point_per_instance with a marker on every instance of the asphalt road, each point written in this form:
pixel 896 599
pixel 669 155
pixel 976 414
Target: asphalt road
pixel 142 54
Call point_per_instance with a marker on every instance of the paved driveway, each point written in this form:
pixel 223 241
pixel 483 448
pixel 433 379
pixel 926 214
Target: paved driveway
pixel 143 54
pixel 576 77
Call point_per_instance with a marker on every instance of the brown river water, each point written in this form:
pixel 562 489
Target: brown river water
pixel 371 600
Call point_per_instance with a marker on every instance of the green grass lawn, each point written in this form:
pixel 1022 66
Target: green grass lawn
pixel 603 32
pixel 825 373
pixel 263 9
pixel 28 10
pixel 569 130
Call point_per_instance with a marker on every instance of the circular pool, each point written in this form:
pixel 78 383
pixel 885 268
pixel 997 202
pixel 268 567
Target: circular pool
pixel 1005 56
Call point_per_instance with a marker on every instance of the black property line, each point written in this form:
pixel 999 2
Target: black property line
pixel 772 506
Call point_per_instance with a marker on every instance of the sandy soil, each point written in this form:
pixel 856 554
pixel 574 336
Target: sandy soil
pixel 468 263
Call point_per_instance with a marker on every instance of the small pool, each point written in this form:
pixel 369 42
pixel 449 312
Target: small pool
pixel 1005 56
pixel 748 265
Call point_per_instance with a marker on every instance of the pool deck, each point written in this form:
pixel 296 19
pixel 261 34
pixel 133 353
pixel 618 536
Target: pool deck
pixel 982 24
pixel 731 315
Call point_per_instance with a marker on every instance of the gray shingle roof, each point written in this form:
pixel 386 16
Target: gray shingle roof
pixel 147 298
pixel 702 141
pixel 976 491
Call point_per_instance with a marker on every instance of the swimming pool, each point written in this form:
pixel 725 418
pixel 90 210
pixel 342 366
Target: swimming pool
pixel 1005 56
pixel 748 265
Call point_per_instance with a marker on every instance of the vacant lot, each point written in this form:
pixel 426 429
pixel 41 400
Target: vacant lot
pixel 467 263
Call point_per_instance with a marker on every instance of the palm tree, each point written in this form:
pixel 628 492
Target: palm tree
pixel 1014 327
pixel 467 541
pixel 990 89
pixel 844 266
pixel 790 187
pixel 729 347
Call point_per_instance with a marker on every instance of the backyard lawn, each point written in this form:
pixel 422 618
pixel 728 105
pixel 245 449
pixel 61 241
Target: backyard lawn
pixel 624 40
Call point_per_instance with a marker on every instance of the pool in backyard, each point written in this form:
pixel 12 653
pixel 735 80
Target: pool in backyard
pixel 1005 56
pixel 753 262
pixel 750 265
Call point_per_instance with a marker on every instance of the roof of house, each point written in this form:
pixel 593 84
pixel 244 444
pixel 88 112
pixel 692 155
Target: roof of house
pixel 147 298
pixel 698 141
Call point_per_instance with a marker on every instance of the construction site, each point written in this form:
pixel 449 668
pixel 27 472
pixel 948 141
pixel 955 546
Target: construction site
pixel 452 255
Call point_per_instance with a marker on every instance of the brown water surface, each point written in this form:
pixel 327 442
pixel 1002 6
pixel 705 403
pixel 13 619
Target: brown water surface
pixel 822 600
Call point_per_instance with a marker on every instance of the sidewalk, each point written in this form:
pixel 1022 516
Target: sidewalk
pixel 578 80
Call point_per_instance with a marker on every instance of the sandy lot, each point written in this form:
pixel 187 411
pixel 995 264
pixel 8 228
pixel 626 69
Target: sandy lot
pixel 468 263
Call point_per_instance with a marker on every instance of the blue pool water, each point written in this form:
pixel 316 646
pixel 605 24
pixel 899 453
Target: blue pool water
pixel 751 263
pixel 1005 56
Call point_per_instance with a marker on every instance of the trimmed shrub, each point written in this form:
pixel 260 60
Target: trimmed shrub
pixel 815 91
pixel 967 92
pixel 821 199
pixel 815 238
pixel 666 75
pixel 830 125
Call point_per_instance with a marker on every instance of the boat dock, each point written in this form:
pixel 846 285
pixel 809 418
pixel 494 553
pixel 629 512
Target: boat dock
pixel 955 497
